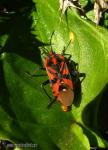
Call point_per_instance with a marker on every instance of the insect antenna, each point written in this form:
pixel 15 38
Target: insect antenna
pixel 51 103
pixel 65 48
pixel 34 75
pixel 51 39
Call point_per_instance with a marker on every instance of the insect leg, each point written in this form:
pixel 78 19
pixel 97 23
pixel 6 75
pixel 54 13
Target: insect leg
pixel 74 65
pixel 51 39
pixel 51 103
pixel 42 85
pixel 65 48
pixel 44 51
pixel 83 75
pixel 34 74
pixel 42 68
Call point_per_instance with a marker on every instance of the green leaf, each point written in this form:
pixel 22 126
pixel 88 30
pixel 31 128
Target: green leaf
pixel 23 113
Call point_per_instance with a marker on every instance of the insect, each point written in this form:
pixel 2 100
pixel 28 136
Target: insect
pixel 59 79
pixel 63 74
pixel 63 78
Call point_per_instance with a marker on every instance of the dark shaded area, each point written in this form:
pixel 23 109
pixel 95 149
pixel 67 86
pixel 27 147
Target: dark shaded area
pixel 20 41
pixel 104 19
pixel 78 88
pixel 93 118
pixel 14 5
pixel 18 26
pixel 89 6
pixel 92 139
pixel 97 148
pixel 103 113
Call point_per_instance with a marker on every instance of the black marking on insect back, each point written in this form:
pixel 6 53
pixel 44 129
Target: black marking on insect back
pixel 56 67
pixel 59 60
pixel 49 63
pixel 53 63
pixel 67 76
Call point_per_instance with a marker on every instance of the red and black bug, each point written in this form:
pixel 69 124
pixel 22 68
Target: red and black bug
pixel 59 79
pixel 63 76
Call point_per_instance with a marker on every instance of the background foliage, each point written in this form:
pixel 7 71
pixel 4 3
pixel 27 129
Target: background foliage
pixel 26 26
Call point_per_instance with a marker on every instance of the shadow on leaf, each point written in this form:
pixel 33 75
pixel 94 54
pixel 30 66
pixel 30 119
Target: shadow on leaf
pixel 95 117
